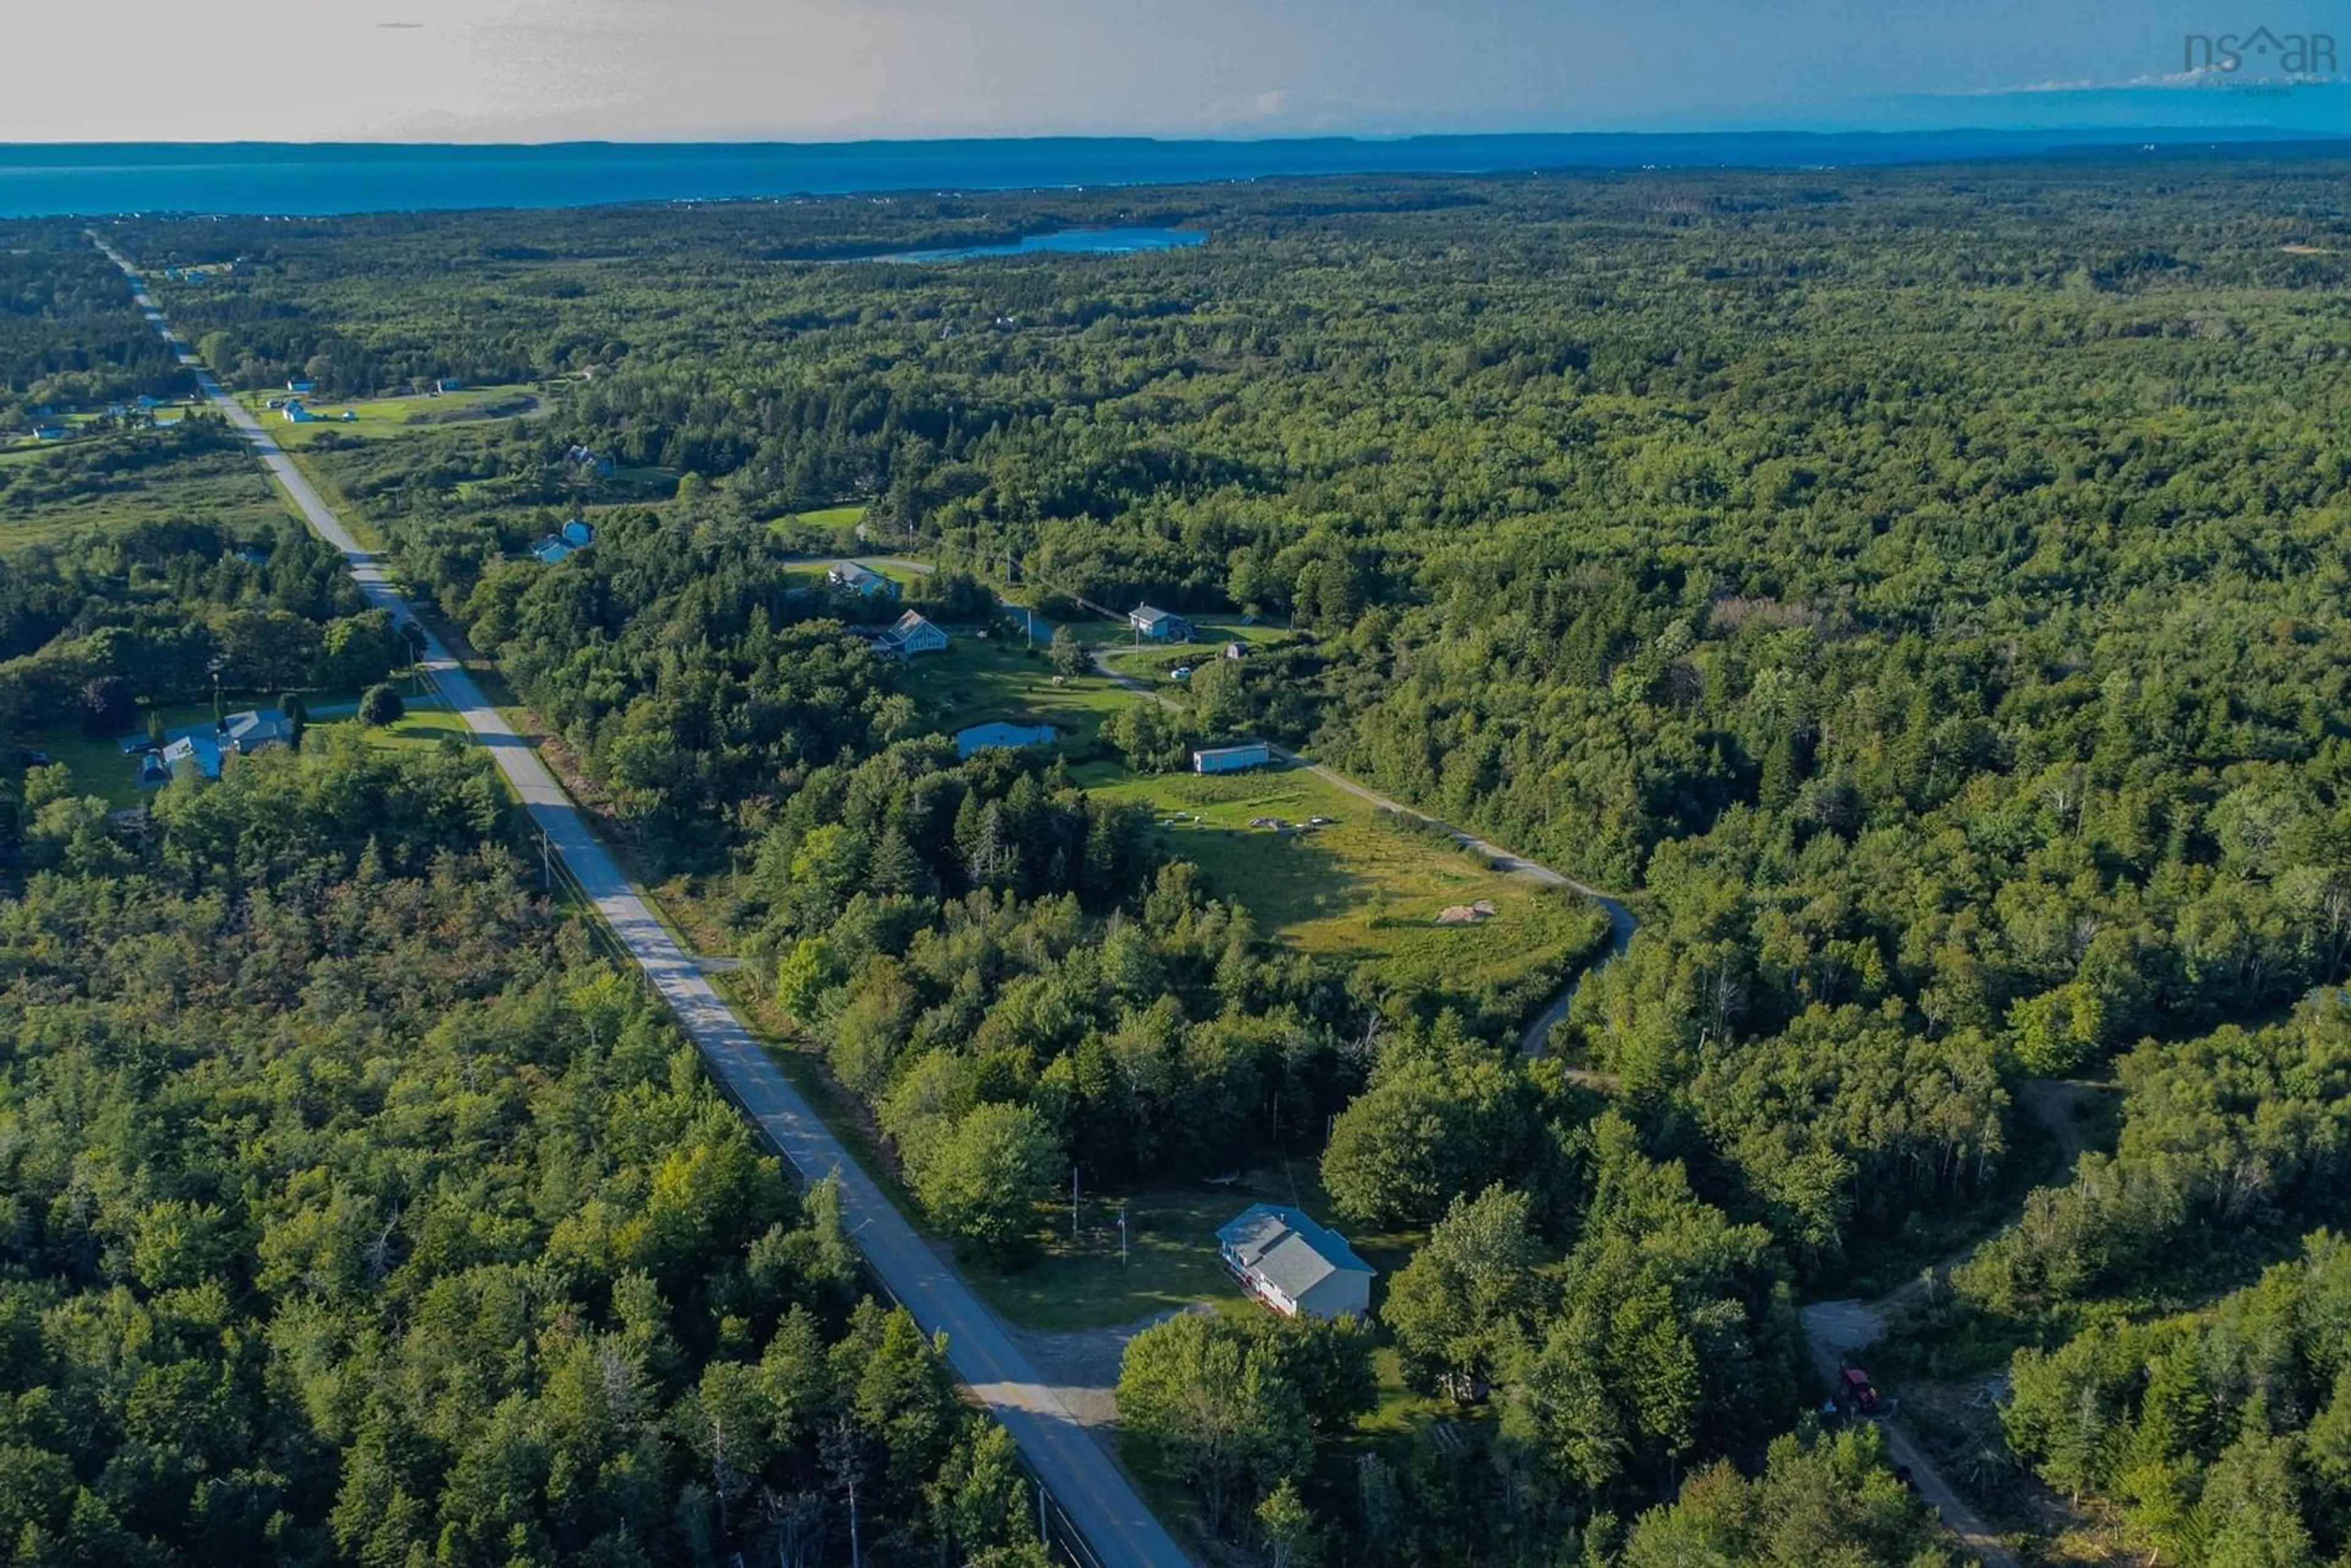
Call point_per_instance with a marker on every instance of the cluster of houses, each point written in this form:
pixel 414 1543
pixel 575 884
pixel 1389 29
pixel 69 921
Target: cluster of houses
pixel 294 411
pixel 568 541
pixel 51 423
pixel 200 751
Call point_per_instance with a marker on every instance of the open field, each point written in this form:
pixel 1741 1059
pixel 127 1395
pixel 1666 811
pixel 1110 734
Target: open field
pixel 976 680
pixel 100 768
pixel 1152 660
pixel 830 516
pixel 381 418
pixel 221 487
pixel 810 569
pixel 1362 888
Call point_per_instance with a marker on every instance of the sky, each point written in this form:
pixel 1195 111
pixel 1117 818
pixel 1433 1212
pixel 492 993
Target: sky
pixel 538 70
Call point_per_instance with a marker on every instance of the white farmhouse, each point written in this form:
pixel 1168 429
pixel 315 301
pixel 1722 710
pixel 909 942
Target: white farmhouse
pixel 1294 1265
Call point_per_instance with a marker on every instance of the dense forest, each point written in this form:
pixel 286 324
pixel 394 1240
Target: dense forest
pixel 1920 590
pixel 69 336
pixel 354 1212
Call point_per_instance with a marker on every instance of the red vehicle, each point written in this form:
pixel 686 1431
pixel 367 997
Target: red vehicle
pixel 1860 1394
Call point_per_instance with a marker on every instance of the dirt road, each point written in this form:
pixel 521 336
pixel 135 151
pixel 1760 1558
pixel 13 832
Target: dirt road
pixel 1837 1333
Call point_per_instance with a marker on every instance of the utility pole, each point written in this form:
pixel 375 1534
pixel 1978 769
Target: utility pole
pixel 1073 1202
pixel 856 1558
pixel 1121 1235
pixel 1044 1534
pixel 546 862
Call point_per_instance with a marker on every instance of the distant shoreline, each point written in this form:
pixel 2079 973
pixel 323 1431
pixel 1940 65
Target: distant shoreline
pixel 329 179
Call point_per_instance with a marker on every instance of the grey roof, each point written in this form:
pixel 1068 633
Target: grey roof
pixel 256 727
pixel 854 575
pixel 1288 1251
pixel 1151 617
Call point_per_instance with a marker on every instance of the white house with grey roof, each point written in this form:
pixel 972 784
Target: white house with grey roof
pixel 1294 1265
pixel 862 581
pixel 1159 625
pixel 910 635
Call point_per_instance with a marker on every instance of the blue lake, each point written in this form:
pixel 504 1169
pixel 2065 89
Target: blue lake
pixel 1064 242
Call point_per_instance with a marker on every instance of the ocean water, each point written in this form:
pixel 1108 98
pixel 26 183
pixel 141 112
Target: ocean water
pixel 1067 242
pixel 311 180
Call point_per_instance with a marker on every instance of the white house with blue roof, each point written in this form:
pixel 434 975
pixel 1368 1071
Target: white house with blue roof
pixel 1294 1266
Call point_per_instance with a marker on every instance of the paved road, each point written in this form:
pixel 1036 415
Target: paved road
pixel 1099 1499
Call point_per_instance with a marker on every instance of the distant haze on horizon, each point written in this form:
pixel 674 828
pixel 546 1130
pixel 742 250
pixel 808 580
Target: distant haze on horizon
pixel 538 70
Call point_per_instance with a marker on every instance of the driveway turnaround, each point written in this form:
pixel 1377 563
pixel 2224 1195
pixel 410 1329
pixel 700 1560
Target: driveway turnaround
pixel 1093 1493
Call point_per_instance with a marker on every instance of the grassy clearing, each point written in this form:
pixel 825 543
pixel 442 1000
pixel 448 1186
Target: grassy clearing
pixel 1079 1281
pixel 1152 660
pixel 223 487
pixel 100 768
pixel 978 680
pixel 385 417
pixel 1362 888
pixel 420 726
pixel 97 764
pixel 829 516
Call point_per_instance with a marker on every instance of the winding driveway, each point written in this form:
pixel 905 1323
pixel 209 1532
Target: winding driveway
pixel 1093 1493
pixel 1536 1037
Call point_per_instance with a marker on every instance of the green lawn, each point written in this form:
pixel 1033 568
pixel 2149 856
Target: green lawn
pixel 1362 888
pixel 1153 660
pixel 420 726
pixel 977 679
pixel 1171 1259
pixel 830 516
pixel 99 767
pixel 381 418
